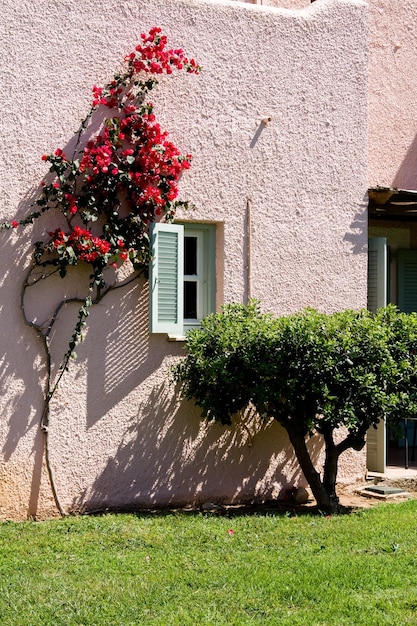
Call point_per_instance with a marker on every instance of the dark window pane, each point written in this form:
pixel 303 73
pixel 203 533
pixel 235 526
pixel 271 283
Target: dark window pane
pixel 190 256
pixel 190 300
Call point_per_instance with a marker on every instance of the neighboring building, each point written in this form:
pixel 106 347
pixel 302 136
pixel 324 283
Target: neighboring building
pixel 278 127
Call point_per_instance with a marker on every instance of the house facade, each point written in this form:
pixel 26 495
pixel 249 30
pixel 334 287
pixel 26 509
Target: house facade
pixel 392 169
pixel 277 124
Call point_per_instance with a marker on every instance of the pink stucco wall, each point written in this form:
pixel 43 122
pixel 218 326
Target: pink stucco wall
pixel 393 94
pixel 282 4
pixel 119 436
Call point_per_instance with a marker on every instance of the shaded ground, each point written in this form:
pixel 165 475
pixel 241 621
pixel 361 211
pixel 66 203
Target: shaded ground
pixel 352 497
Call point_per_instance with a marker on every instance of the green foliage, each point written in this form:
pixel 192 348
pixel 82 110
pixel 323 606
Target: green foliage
pixel 400 372
pixel 217 370
pixel 310 371
pixel 345 369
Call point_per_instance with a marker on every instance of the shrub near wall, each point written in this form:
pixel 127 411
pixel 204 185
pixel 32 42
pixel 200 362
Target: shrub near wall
pixel 310 371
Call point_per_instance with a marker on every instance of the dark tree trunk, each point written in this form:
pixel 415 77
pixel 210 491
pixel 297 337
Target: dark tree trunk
pixel 323 491
pixel 330 464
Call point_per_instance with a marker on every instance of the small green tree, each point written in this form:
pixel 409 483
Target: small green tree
pixel 310 371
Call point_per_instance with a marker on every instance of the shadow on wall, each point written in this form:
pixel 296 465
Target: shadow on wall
pixel 126 354
pixel 159 452
pixel 357 236
pixel 170 457
pixel 22 380
pixel 23 358
pixel 406 176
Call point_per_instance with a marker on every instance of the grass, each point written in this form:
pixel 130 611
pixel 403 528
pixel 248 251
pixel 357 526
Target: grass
pixel 182 569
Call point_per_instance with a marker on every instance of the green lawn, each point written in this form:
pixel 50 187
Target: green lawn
pixel 195 569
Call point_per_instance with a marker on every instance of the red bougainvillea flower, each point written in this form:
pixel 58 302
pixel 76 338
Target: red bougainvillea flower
pixel 15 224
pixel 79 245
pixel 151 56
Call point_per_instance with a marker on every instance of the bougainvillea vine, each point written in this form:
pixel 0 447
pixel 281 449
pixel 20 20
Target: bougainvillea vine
pixel 110 189
pixel 121 180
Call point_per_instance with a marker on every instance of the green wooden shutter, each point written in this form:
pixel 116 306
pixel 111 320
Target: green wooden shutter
pixel 377 297
pixel 166 278
pixel 407 280
pixel 377 273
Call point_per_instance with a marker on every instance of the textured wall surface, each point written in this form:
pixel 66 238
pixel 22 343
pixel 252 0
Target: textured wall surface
pixel 393 94
pixel 118 434
pixel 282 4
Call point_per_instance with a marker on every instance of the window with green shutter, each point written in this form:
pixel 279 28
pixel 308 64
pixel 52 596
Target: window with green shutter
pixel 182 276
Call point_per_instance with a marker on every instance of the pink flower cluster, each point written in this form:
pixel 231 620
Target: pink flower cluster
pixel 109 98
pixel 83 244
pixel 152 163
pixel 98 154
pixel 151 56
pixel 72 203
pixel 155 163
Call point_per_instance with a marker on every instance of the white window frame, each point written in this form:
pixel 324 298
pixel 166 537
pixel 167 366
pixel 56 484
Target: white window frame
pixel 167 276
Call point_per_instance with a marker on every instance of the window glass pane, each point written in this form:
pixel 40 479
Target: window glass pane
pixel 190 256
pixel 190 300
